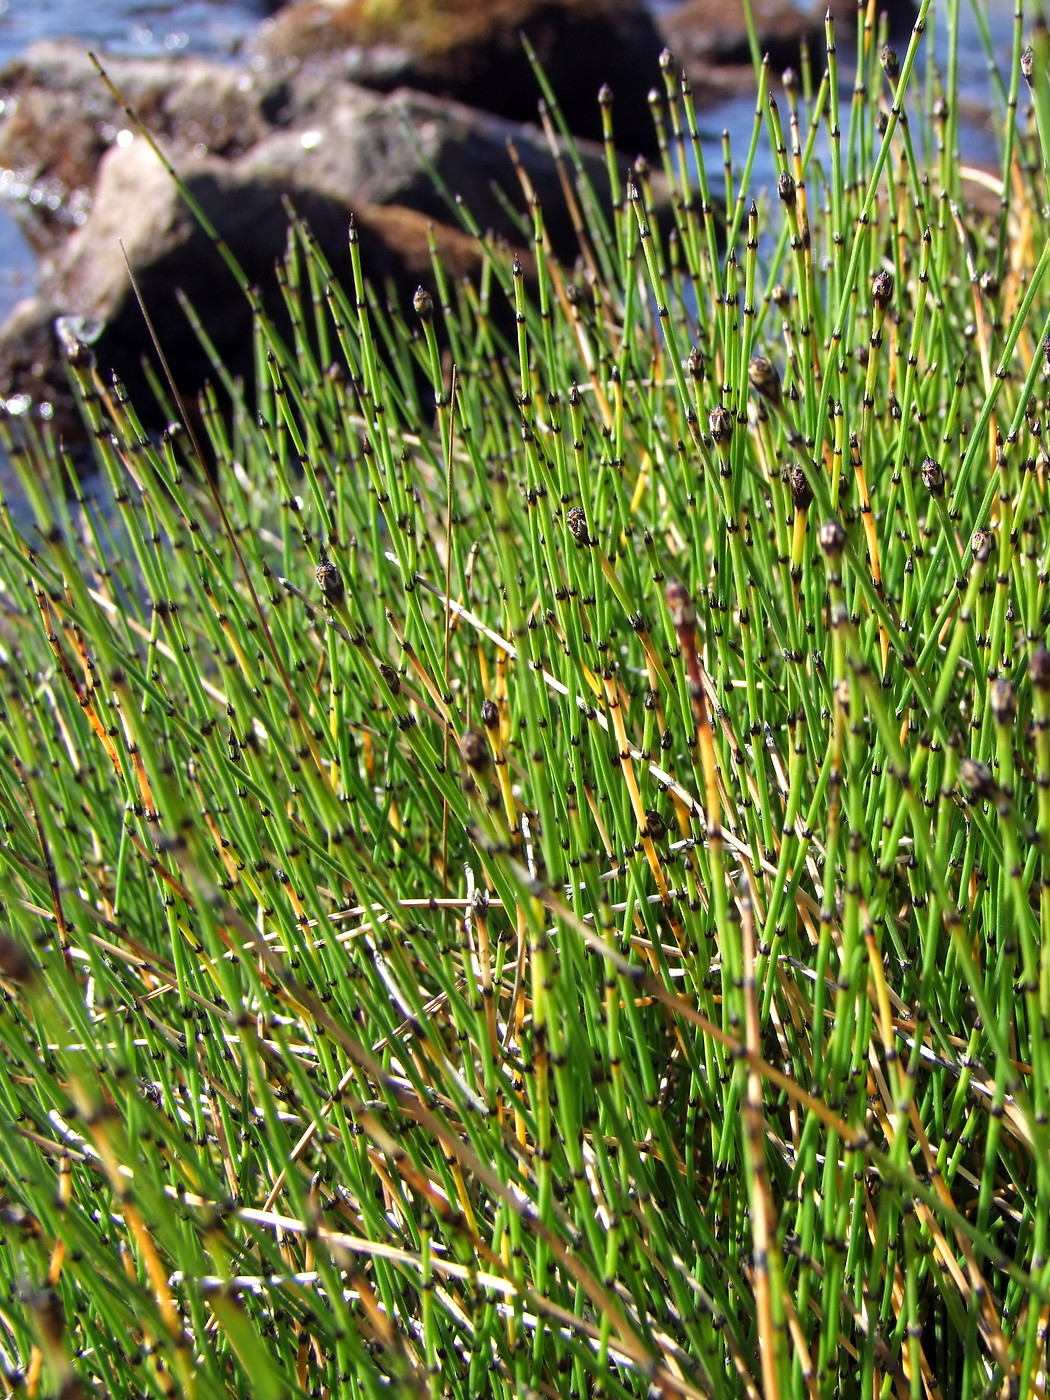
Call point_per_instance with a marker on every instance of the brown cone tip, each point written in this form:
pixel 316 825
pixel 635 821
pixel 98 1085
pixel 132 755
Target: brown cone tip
pixel 882 289
pixel 981 544
pixel 798 485
pixel 680 606
pixel 1039 668
pixel 933 477
pixel 765 379
pixel 15 964
pixel 1003 701
pixel 330 581
pixel 721 425
pixel 474 750
pixel 977 779
pixel 832 538
pixel 576 520
pixel 891 62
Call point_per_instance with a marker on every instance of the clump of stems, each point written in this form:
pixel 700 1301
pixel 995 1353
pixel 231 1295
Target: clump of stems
pixel 535 880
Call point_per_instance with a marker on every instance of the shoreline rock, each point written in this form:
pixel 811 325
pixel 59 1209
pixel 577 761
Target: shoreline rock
pixel 471 51
pixel 709 38
pixel 295 120
pixel 333 150
pixel 61 120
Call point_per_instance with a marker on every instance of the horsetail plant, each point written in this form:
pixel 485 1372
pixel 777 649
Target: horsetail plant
pixel 525 859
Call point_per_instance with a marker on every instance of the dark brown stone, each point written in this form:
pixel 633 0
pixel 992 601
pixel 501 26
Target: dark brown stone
pixel 138 213
pixel 245 141
pixel 710 37
pixel 471 50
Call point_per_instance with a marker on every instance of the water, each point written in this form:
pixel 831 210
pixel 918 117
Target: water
pixel 130 26
pixel 977 139
pixel 213 27
pixel 218 27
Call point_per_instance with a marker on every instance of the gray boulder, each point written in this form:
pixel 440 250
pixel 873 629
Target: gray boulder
pixel 60 119
pixel 332 149
pixel 472 51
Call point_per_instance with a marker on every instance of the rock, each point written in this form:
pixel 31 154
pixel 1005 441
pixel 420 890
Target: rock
pixel 361 147
pixel 312 127
pixel 137 205
pixel 60 119
pixel 710 37
pixel 471 51
pixel 715 31
pixel 332 147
